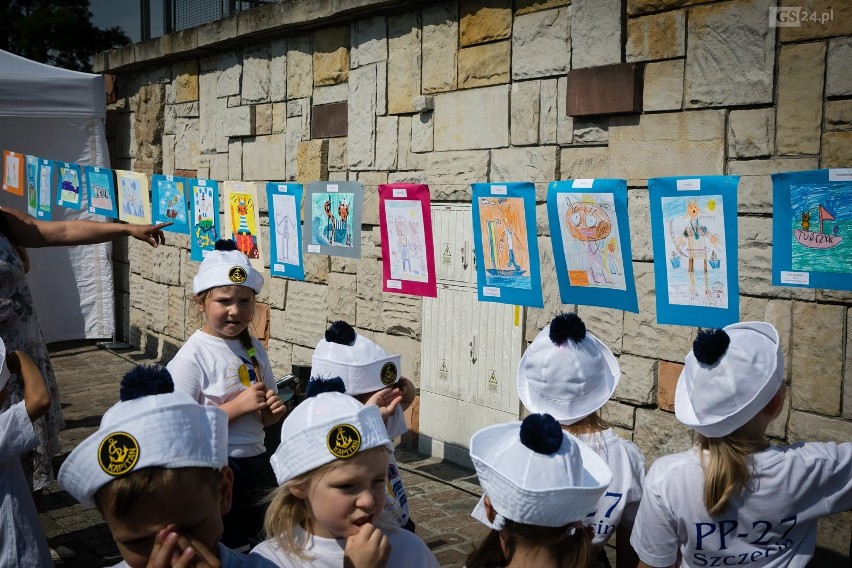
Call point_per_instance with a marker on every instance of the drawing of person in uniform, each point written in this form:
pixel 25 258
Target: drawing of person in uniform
pixel 695 238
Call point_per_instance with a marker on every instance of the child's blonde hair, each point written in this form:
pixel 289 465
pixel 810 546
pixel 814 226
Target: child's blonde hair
pixel 563 547
pixel 727 465
pixel 120 496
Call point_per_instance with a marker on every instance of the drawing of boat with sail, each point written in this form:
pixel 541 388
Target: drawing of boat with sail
pixel 817 239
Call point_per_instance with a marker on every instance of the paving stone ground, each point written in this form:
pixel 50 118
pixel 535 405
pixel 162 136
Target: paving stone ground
pixel 441 494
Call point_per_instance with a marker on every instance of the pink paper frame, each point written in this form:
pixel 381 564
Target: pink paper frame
pixel 405 251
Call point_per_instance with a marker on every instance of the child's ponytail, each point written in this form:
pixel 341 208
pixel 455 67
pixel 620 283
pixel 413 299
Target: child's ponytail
pixel 727 468
pixel 565 547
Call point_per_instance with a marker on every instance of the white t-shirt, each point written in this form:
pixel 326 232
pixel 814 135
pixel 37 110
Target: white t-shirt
pixel 621 500
pixel 407 551
pixel 213 371
pixel 771 524
pixel 396 501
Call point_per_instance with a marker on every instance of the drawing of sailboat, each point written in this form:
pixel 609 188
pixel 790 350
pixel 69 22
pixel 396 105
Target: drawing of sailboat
pixel 714 260
pixel 818 240
pixel 493 241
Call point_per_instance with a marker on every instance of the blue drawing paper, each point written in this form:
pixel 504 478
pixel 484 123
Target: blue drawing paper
pixel 44 183
pixel 204 217
pixel 694 234
pixel 100 183
pixel 812 229
pixel 284 200
pixel 32 185
pixel 69 179
pixel 333 212
pixel 169 200
pixel 590 234
pixel 508 269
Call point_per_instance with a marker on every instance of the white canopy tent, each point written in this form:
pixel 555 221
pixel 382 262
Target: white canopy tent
pixel 59 115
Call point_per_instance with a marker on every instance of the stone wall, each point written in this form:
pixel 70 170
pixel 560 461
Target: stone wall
pixel 458 92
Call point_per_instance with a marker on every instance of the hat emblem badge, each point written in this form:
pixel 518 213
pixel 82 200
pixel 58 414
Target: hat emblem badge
pixel 343 441
pixel 118 453
pixel 237 275
pixel 388 374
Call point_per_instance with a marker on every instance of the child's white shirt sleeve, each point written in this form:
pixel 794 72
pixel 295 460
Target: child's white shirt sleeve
pixel 185 374
pixel 17 435
pixel 396 425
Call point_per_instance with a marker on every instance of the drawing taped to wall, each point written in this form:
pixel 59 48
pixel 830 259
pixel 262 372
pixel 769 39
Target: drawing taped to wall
pixel 101 189
pixel 32 185
pixel 285 222
pixel 133 197
pixel 70 180
pixel 169 199
pixel 13 172
pixel 242 220
pixel 204 230
pixel 45 184
pixel 334 210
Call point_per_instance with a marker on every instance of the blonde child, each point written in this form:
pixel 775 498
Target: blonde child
pixel 571 374
pixel 157 471
pixel 222 365
pixel 538 483
pixel 367 369
pixel 332 470
pixel 734 499
pixel 23 543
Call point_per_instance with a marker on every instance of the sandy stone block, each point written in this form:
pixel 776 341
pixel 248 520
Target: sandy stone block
pixel 659 433
pixel 639 218
pixel 162 265
pixel 255 83
pixel 331 94
pixel 817 357
pixel 280 352
pixel 659 36
pixel 583 163
pixel 422 134
pixel 751 133
pixel 263 119
pixel 402 314
pixel 274 292
pixel 836 150
pixel 302 355
pixel 361 117
pixel 838 77
pixel 218 166
pixel 638 380
pixel 440 47
pixel 312 160
pixel 278 71
pixel 771 166
pixel 302 327
pixel 299 67
pixel 386 142
pixel 618 414
pixel 838 115
pixel 317 268
pixel 548 127
pixel 177 312
pixel 825 18
pixel 471 119
pixel 663 86
pixel 344 265
pixel 404 62
pixel 331 56
pixel 185 82
pixel 525 112
pixel 341 297
pixel 727 64
pixel 667 376
pixel 337 154
pixel 370 215
pixel 484 65
pixel 481 21
pixel 596 32
pixel 805 427
pixel 263 158
pixel 565 123
pixel 800 93
pixel 548 31
pixel 168 154
pixel 535 164
pixel 605 324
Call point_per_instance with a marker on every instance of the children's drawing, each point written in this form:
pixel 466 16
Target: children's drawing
pixel 170 202
pixel 693 224
pixel 70 180
pixel 812 229
pixel 45 181
pixel 405 224
pixel 13 172
pixel 507 253
pixel 204 214
pixel 101 186
pixel 285 222
pixel 134 206
pixel 335 218
pixel 591 242
pixel 32 185
pixel 242 219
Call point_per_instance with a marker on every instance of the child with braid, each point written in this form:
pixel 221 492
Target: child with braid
pixel 222 365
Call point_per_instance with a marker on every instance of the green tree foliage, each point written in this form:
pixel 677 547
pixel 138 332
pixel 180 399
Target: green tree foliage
pixel 56 32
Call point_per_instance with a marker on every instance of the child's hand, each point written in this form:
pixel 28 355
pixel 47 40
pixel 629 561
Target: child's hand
pixel 172 549
pixel 370 548
pixel 253 399
pixel 274 410
pixel 387 401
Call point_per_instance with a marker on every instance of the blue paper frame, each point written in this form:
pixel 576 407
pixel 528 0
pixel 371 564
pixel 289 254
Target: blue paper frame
pixel 793 186
pixel 103 175
pixel 491 283
pixel 587 295
pixel 698 187
pixel 70 204
pixel 280 266
pixel 202 238
pixel 44 207
pixel 160 191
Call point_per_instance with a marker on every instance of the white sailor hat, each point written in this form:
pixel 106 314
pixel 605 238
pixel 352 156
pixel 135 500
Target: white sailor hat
pixel 226 266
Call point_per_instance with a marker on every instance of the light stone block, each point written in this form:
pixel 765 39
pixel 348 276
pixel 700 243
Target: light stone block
pixel 606 324
pixel 255 88
pixel 838 77
pixel 278 71
pixel 274 293
pixel 186 144
pixel 583 163
pixel 754 194
pixel 548 31
pixel 482 21
pixel 565 123
pixel 279 117
pixel 230 74
pixel 386 142
pixel 449 174
pixel 161 265
pixel 263 158
pixel 639 214
pixel 525 112
pixel 471 119
pixel 219 166
pixel 382 88
pixel 440 47
pixel 591 130
pixel 301 326
pixel 317 268
pixel 818 357
pixel 234 121
pixel 596 32
pixel 168 154
pixel 292 139
pixel 422 133
pixel 805 427
pixel 663 86
pixel 369 42
pixel 424 103
pixel 527 6
pixel 548 126
pixel 234 101
pixel 331 94
pixel 280 352
pixel 404 59
pixel 371 181
pixel 839 20
pixel 659 36
pixel 177 312
pixel 300 71
pixel 483 65
pixel 535 164
pixel 341 297
pixel 331 56
pixel 659 433
pixel 667 145
pixel 235 159
pixel 302 355
pixel 638 384
pixel 337 154
pixel 836 150
pixel 730 54
pixel 800 94
pixel 838 115
pixel 362 117
pixel 751 133
pixel 771 166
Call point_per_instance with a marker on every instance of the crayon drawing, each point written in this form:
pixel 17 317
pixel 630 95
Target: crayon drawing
pixel 170 202
pixel 591 240
pixel 697 264
pixel 331 222
pixel 205 217
pixel 45 180
pixel 821 229
pixel 286 229
pixel 13 172
pixel 134 205
pixel 502 225
pixel 406 240
pixel 70 184
pixel 242 208
pixel 101 191
pixel 32 185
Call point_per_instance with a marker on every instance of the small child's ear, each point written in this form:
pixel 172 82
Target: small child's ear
pixel 226 489
pixel 297 491
pixel 490 513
